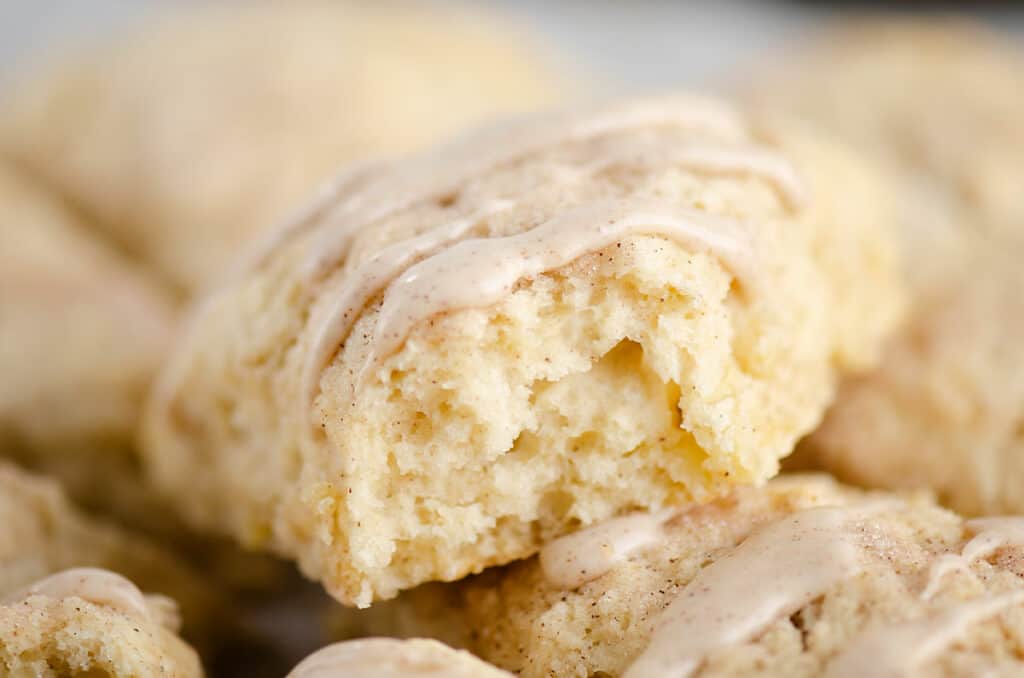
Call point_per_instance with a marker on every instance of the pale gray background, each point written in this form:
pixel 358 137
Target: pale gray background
pixel 641 44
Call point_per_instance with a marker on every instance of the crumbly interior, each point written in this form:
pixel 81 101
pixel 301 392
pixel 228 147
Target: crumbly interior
pixel 642 373
pixel 280 96
pixel 937 106
pixel 516 619
pixel 74 638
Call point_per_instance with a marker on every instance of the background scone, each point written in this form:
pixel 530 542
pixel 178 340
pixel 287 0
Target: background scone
pixel 940 108
pixel 42 533
pixel 800 578
pixel 81 334
pixel 184 138
pixel 391 658
pixel 91 622
pixel 456 357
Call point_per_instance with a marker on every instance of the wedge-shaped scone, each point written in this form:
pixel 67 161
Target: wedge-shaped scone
pixel 391 658
pixel 81 334
pixel 91 622
pixel 456 357
pixel 940 108
pixel 183 137
pixel 802 577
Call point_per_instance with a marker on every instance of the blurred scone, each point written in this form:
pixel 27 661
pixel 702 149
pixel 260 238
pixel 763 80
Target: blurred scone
pixel 800 578
pixel 391 658
pixel 940 108
pixel 938 101
pixel 42 533
pixel 81 333
pixel 456 357
pixel 91 622
pixel 184 138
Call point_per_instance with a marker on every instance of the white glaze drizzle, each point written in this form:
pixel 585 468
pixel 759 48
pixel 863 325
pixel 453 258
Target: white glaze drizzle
pixel 991 534
pixel 374 191
pixel 95 585
pixel 573 560
pixel 899 650
pixel 775 571
pixel 479 272
pixel 445 171
pixel 391 658
pixel 434 176
pixel 357 287
pixel 355 290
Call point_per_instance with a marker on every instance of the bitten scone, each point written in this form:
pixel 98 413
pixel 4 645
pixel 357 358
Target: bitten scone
pixel 799 578
pixel 454 358
pixel 81 334
pixel 185 137
pixel 391 658
pixel 940 108
pixel 91 622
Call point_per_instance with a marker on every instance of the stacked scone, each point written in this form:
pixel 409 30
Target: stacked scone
pixel 527 392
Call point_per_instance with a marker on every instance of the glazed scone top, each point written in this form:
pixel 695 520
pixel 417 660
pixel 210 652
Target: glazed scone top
pixel 103 588
pixel 401 325
pixel 279 97
pixel 391 658
pixel 89 621
pixel 800 578
pixel 802 555
pixel 444 268
pixel 462 266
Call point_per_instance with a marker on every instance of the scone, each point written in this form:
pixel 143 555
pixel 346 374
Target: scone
pixel 81 334
pixel 42 533
pixel 802 577
pixel 391 658
pixel 940 108
pixel 91 622
pixel 185 137
pixel 937 100
pixel 456 357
